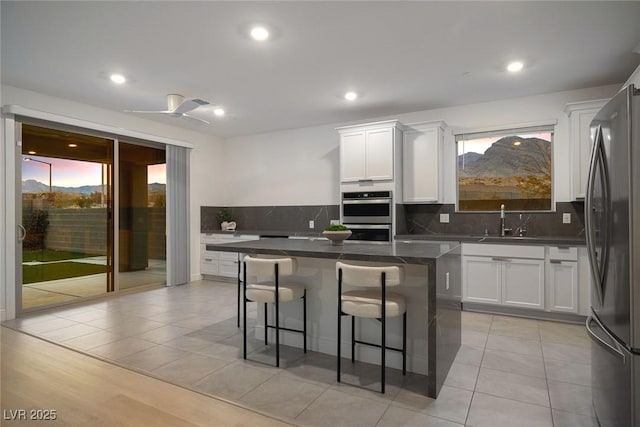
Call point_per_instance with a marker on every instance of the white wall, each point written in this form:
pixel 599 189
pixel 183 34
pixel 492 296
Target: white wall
pixel 301 166
pixel 206 161
pixel 293 167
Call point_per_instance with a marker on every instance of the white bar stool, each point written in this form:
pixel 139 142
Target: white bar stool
pixel 271 292
pixel 373 303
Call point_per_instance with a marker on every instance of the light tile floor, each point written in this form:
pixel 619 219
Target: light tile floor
pixel 509 371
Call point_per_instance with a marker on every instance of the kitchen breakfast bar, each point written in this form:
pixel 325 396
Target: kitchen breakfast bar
pixel 432 288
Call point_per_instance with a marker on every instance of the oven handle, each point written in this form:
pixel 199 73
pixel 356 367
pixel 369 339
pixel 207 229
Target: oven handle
pixel 366 202
pixel 369 226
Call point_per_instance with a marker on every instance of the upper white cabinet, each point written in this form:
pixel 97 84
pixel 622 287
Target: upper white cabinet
pixel 367 151
pixel 580 141
pixel 422 148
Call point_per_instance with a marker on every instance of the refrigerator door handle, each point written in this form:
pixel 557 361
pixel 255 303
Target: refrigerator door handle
pixel 599 340
pixel 595 264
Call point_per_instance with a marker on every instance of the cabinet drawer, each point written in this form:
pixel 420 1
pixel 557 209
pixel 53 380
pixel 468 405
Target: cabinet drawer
pixel 228 268
pixel 208 238
pixel 563 253
pixel 229 256
pixel 503 251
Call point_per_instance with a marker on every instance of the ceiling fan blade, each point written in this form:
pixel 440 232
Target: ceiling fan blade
pixel 148 112
pixel 188 105
pixel 188 116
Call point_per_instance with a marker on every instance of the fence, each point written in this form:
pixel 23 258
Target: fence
pixel 85 231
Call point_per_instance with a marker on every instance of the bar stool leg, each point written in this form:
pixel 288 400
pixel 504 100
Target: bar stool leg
pixel 404 343
pixel 304 319
pixel 266 328
pixel 277 320
pixel 384 324
pixel 244 313
pixel 353 339
pixel 239 284
pixel 339 320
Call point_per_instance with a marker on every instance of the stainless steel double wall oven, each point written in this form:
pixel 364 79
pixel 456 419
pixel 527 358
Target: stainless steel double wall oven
pixel 368 215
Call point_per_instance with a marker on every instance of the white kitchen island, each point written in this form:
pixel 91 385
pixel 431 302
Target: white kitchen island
pixel 432 287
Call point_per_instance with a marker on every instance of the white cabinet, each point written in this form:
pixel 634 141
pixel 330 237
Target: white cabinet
pixel 552 278
pixel 562 279
pixel 580 141
pixel 221 264
pixel 523 283
pixel 482 279
pixel 367 151
pixel 209 260
pixel 509 275
pixel 422 148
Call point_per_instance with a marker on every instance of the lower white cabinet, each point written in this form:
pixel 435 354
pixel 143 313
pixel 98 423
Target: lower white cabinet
pixel 221 264
pixel 562 279
pixel 482 279
pixel 552 278
pixel 523 283
pixel 562 285
pixel 517 282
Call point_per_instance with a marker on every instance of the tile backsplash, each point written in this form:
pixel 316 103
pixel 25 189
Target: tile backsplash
pixel 410 219
pixel 272 218
pixel 425 219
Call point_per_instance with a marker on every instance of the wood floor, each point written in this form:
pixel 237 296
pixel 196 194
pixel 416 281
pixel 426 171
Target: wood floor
pixel 85 391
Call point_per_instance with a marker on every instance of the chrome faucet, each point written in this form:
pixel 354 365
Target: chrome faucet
pixel 522 228
pixel 503 230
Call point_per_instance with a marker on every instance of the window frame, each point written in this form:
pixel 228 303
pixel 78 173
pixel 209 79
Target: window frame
pixel 497 131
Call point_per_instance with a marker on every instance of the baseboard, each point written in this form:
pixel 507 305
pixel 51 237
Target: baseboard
pixel 523 312
pixel 196 277
pixel 3 314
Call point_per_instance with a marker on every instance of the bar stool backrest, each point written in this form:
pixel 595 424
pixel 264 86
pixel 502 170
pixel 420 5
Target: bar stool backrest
pixel 265 267
pixel 365 276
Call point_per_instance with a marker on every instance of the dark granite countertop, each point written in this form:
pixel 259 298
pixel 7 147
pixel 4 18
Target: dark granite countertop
pixel 513 240
pixel 268 233
pixel 526 240
pixel 414 252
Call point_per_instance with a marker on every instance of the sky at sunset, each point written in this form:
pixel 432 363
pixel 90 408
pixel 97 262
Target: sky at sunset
pixel 74 173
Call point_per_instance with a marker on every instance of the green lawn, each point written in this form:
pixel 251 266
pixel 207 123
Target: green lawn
pixel 44 255
pixel 58 270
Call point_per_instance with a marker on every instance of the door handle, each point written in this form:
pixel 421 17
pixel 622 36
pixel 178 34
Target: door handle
pixel 602 342
pixel 594 263
pixel 22 233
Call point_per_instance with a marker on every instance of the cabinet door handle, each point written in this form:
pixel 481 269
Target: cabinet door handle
pixel 500 259
pixel 555 261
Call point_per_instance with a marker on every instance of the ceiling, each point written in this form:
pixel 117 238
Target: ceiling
pixel 400 56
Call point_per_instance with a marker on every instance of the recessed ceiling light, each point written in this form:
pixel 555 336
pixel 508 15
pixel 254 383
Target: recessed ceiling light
pixel 515 66
pixel 218 111
pixel 259 33
pixel 118 78
pixel 31 152
pixel 72 145
pixel 350 96
pixel 516 143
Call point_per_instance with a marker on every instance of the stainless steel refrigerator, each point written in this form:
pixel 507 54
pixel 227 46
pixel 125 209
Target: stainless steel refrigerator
pixel 612 216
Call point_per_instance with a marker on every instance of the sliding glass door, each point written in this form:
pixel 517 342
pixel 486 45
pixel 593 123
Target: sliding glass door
pixel 66 197
pixel 76 190
pixel 142 200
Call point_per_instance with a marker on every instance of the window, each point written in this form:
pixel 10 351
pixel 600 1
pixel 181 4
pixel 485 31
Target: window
pixel 511 167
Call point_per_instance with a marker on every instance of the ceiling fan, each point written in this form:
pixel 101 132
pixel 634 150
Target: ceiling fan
pixel 178 106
